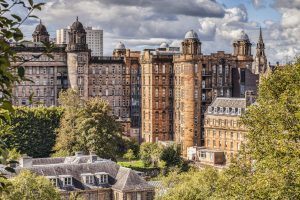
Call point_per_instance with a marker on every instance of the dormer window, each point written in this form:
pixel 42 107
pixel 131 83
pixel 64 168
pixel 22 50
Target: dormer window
pixel 227 110
pixel 215 110
pixel 102 177
pixel 221 110
pixel 53 180
pixel 239 111
pixel 233 111
pixel 88 178
pixel 66 180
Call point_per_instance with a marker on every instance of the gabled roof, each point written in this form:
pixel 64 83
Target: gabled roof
pixel 127 179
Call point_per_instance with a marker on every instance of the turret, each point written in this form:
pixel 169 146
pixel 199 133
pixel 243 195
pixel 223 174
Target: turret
pixel 191 44
pixel 40 33
pixel 242 46
pixel 77 37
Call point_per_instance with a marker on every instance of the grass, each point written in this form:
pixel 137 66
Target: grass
pixel 132 164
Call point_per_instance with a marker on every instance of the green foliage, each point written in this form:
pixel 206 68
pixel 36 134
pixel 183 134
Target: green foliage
pixel 88 126
pixel 171 156
pixel 150 153
pixel 32 130
pixel 129 155
pixel 14 154
pixel 28 186
pixel 196 185
pixel 268 165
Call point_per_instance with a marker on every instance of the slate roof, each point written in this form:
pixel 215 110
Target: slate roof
pixel 229 102
pixel 128 179
pixel 119 178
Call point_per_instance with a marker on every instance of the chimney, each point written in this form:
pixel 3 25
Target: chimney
pixel 93 157
pixel 26 161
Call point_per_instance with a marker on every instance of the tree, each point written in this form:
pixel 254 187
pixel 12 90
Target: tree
pixel 171 155
pixel 88 126
pixel 150 153
pixel 33 130
pixel 129 155
pixel 196 185
pixel 29 186
pixel 10 23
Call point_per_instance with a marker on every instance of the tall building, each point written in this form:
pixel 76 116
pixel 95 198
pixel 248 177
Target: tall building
pixel 157 94
pixel 94 39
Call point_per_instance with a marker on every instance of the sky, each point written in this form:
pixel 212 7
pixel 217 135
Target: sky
pixel 143 24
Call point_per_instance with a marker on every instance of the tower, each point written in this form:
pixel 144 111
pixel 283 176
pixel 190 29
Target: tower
pixel 120 50
pixel 260 62
pixel 191 44
pixel 78 56
pixel 242 46
pixel 40 33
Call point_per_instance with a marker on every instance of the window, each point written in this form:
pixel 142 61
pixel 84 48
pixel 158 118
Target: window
pixel 66 180
pixel 156 69
pixel 88 178
pixel 102 177
pixel 196 68
pixel 164 69
pixel 139 196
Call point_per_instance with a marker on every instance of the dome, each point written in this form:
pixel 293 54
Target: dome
pixel 77 25
pixel 120 46
pixel 191 35
pixel 41 29
pixel 164 45
pixel 243 36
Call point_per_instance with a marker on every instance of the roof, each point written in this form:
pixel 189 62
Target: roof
pixel 120 46
pixel 119 178
pixel 191 35
pixel 243 36
pixel 77 25
pixel 129 180
pixel 229 102
pixel 41 29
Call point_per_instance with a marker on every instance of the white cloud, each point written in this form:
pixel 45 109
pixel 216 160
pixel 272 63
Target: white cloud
pixel 145 24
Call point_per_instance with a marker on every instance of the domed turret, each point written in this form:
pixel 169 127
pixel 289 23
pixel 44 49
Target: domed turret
pixel 191 35
pixel 77 25
pixel 40 33
pixel 164 45
pixel 120 46
pixel 77 37
pixel 243 36
pixel 242 45
pixel 191 43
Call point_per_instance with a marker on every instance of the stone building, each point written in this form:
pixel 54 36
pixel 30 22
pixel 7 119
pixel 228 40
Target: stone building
pixel 157 94
pixel 72 66
pixel 223 129
pixel 92 177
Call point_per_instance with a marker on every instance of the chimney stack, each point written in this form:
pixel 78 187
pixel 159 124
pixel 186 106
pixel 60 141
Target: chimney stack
pixel 26 161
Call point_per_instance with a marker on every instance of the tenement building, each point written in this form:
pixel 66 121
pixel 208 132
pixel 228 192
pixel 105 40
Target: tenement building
pixel 73 66
pixel 91 177
pixel 158 94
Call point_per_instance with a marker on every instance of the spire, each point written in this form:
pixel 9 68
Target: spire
pixel 40 21
pixel 77 18
pixel 260 35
